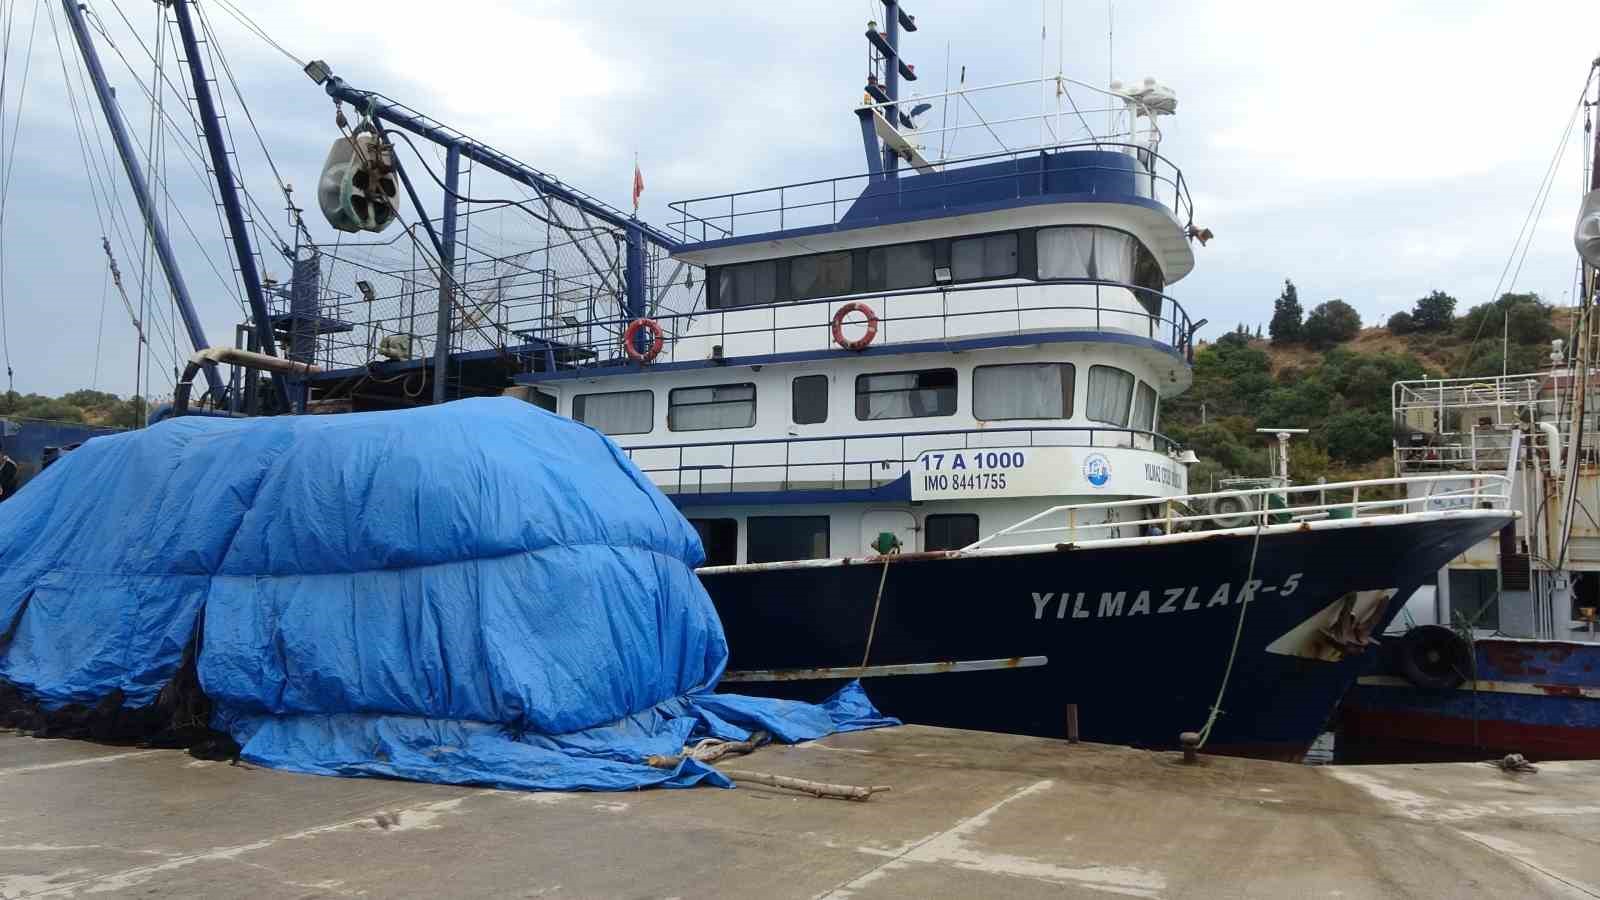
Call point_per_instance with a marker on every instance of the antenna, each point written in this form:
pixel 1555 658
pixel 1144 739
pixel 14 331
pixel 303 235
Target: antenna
pixel 1111 69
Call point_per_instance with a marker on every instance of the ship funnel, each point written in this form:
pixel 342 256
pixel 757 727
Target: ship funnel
pixel 1587 234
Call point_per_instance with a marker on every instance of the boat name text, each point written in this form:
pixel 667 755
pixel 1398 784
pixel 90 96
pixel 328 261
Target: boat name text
pixel 1111 604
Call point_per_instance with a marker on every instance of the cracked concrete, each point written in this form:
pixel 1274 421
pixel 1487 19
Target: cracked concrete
pixel 970 815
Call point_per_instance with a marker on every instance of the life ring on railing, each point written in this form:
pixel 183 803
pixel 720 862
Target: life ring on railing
pixel 838 326
pixel 652 350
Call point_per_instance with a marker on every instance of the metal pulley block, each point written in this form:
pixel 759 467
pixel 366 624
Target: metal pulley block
pixel 357 190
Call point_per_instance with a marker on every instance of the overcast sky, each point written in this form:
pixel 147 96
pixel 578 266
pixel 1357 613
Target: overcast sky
pixel 1372 151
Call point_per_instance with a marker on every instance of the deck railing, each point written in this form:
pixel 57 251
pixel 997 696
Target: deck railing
pixel 1262 507
pixel 936 314
pixel 825 201
pixel 855 462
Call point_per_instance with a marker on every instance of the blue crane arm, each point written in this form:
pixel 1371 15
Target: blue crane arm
pixel 401 116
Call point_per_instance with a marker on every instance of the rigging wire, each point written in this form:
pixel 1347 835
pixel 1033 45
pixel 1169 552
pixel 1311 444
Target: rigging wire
pixel 9 154
pixel 1535 209
pixel 108 208
pixel 251 26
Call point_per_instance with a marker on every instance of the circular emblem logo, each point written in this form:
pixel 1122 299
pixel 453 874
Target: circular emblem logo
pixel 1097 469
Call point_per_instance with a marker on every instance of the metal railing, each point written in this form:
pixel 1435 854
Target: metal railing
pixel 1192 512
pixel 825 201
pixel 784 464
pixel 1469 423
pixel 917 314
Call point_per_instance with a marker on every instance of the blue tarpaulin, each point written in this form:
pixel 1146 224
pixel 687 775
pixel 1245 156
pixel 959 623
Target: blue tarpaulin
pixel 478 593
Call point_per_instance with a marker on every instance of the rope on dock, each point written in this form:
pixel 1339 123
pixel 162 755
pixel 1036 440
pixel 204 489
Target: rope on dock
pixel 1233 653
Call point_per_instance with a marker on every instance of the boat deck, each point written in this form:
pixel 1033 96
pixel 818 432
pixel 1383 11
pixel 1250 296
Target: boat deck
pixel 970 814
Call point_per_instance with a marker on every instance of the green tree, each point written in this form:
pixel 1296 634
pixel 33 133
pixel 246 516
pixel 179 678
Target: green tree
pixel 1331 323
pixel 1521 318
pixel 1434 312
pixel 1401 323
pixel 1359 435
pixel 1286 322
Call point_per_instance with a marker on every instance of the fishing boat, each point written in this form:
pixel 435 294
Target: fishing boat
pixel 915 423
pixel 1499 652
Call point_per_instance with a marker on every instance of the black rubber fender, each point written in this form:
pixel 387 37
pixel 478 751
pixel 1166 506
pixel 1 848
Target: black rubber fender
pixel 1434 658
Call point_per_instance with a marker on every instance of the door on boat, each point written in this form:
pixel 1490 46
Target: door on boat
pixel 898 522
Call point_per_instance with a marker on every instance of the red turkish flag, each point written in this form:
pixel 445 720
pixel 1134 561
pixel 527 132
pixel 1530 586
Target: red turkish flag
pixel 638 185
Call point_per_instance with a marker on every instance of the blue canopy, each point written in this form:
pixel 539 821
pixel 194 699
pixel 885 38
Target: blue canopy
pixel 479 592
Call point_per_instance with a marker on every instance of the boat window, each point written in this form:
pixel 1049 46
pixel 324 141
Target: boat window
pixel 720 537
pixel 542 399
pixel 1026 391
pixel 990 256
pixel 1066 252
pixel 949 532
pixel 718 406
pixel 1144 408
pixel 906 395
pixel 1110 395
pixel 810 399
pixel 1103 253
pixel 1113 255
pixel 900 266
pixel 747 284
pixel 782 538
pixel 820 275
pixel 624 412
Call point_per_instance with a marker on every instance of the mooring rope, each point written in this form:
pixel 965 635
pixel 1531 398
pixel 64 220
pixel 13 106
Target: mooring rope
pixel 872 629
pixel 1238 630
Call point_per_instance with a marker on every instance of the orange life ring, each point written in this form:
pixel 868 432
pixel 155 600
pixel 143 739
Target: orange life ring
pixel 838 326
pixel 657 338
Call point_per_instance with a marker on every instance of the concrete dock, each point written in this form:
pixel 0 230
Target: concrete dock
pixel 970 815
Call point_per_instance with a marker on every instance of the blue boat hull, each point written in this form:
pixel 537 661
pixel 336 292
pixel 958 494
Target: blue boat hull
pixel 1537 698
pixel 1137 635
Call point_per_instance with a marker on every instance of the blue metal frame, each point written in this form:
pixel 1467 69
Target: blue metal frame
pixel 141 191
pixel 447 269
pixel 383 108
pixel 227 188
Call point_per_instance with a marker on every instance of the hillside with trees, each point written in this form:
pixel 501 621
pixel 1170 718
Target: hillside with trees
pixel 1324 372
pixel 85 406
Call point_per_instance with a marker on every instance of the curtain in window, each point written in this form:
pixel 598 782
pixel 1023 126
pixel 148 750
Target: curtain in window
pixel 906 395
pixel 1110 395
pixel 632 412
pixel 1066 252
pixel 889 397
pixel 1113 255
pixel 1144 408
pixel 724 406
pixel 1022 392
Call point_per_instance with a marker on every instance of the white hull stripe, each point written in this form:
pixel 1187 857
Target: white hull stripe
pixel 930 668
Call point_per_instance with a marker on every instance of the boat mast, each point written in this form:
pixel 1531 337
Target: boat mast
pixel 227 188
pixel 1588 334
pixel 141 191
